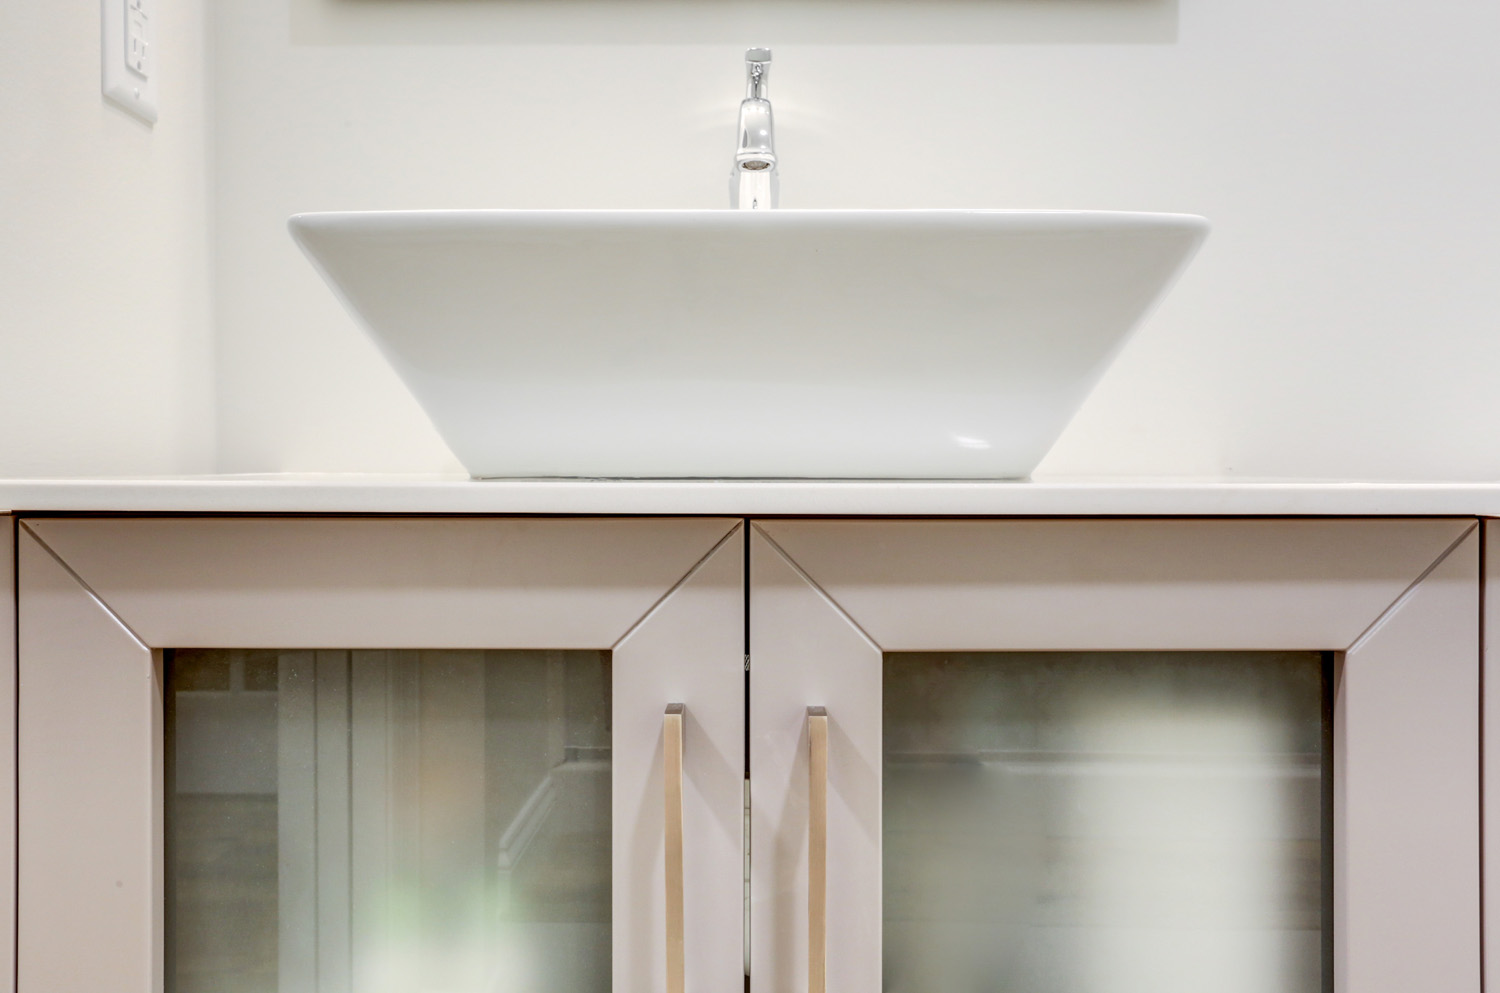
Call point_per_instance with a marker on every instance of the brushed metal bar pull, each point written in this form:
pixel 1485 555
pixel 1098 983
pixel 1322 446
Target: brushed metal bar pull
pixel 817 849
pixel 671 733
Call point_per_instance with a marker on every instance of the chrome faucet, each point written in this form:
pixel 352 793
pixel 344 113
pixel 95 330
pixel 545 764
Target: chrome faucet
pixel 753 183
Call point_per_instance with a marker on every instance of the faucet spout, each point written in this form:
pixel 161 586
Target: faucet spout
pixel 753 180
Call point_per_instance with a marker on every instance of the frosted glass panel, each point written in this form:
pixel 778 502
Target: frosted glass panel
pixel 1107 823
pixel 402 821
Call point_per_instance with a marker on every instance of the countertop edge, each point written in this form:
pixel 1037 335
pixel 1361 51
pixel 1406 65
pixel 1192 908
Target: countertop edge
pixel 384 495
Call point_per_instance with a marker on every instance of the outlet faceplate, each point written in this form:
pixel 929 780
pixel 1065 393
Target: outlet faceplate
pixel 129 56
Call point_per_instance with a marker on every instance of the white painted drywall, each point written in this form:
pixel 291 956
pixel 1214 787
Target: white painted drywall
pixel 1344 319
pixel 106 342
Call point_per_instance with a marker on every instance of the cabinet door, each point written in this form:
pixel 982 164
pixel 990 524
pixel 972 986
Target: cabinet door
pixel 350 754
pixel 1105 756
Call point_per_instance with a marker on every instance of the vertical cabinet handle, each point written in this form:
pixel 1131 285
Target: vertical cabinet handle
pixel 817 849
pixel 671 733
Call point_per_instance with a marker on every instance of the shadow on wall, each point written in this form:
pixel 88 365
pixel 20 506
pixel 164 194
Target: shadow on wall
pixel 907 22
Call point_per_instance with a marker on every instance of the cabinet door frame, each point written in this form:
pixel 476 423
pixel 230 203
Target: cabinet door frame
pixel 8 761
pixel 1396 600
pixel 1490 685
pixel 101 598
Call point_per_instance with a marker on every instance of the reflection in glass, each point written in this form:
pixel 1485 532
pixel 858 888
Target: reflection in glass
pixel 1106 822
pixel 402 821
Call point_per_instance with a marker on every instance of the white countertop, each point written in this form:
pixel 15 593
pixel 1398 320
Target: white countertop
pixel 356 494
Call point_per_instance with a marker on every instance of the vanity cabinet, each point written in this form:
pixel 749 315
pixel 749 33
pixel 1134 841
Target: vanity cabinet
pixel 342 754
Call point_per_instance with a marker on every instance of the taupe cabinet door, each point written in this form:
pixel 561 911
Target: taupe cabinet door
pixel 342 754
pixel 1108 756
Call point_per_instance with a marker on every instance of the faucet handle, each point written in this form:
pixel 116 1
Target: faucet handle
pixel 757 69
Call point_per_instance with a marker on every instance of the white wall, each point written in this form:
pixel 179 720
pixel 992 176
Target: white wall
pixel 106 344
pixel 1344 319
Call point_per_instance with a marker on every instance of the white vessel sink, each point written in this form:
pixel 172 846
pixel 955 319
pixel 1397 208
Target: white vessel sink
pixel 783 343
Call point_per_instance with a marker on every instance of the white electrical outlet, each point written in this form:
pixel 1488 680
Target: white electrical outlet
pixel 129 54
